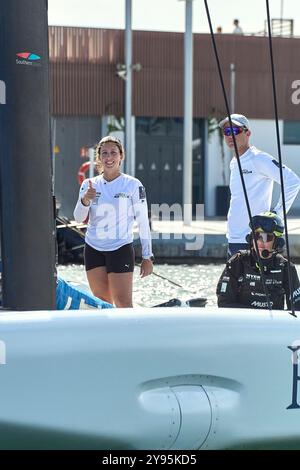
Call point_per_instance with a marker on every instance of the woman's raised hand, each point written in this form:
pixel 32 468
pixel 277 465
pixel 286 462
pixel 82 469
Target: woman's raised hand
pixel 89 195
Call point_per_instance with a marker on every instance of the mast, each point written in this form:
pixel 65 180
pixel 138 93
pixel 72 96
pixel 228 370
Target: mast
pixel 26 194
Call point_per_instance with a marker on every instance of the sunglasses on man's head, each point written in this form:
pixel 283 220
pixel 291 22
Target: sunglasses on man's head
pixel 264 237
pixel 236 130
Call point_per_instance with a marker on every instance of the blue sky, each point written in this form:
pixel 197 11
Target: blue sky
pixel 168 15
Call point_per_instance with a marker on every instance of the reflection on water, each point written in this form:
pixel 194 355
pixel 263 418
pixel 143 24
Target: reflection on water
pixel 196 281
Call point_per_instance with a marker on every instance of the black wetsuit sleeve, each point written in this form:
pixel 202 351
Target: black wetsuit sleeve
pixel 227 288
pixel 296 288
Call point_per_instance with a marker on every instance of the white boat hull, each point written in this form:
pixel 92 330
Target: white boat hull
pixel 148 379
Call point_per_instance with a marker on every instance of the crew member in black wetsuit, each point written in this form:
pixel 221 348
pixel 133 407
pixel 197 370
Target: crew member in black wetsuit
pixel 240 284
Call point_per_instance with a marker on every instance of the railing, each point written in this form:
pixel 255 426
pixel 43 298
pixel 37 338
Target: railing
pixel 280 27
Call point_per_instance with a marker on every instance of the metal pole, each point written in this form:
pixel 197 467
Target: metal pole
pixel 132 146
pixel 53 152
pixel 128 89
pixel 281 17
pixel 26 196
pixel 188 115
pixel 232 88
pixel 92 162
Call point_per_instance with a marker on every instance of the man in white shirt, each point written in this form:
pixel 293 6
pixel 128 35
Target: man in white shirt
pixel 237 28
pixel 260 170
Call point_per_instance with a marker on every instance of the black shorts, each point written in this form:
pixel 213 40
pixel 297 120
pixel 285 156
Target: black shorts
pixel 117 261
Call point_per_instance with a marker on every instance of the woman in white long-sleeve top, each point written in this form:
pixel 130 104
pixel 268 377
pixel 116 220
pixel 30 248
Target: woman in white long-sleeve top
pixel 112 201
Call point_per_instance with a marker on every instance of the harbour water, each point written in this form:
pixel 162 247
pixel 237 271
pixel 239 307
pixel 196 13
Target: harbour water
pixel 197 280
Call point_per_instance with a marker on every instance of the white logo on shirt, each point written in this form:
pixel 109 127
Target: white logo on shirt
pixel 224 287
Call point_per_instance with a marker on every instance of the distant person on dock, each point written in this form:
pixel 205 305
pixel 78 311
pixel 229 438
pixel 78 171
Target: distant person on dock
pixel 260 170
pixel 113 201
pixel 240 284
pixel 237 29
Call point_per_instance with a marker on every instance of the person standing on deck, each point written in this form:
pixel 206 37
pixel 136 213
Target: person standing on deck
pixel 260 170
pixel 112 201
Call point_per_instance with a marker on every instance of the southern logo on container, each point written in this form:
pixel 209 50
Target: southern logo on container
pixel 28 58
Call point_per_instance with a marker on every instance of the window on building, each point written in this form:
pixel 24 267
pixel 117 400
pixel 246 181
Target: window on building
pixel 291 132
pixel 158 126
pixel 142 126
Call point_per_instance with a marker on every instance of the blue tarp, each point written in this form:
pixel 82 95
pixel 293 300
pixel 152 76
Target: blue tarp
pixel 69 297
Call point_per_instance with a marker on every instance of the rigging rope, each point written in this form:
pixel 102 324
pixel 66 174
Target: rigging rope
pixel 237 157
pixel 280 160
